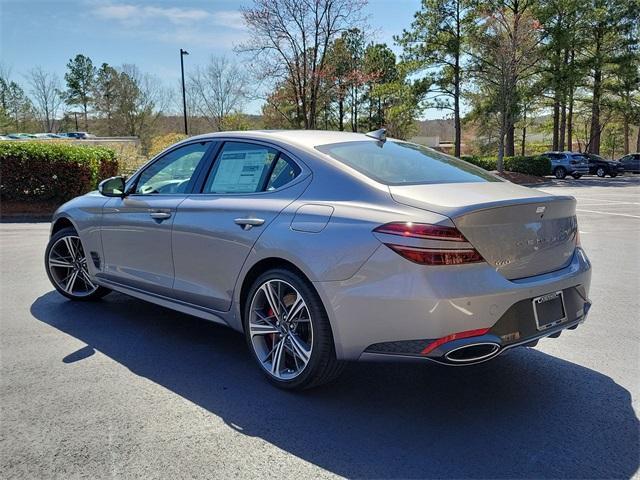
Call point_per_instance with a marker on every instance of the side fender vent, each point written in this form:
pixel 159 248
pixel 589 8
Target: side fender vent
pixel 96 259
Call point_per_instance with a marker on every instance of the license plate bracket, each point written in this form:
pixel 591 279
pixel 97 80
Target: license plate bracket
pixel 549 310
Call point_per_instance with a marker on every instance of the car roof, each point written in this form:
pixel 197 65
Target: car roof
pixel 302 138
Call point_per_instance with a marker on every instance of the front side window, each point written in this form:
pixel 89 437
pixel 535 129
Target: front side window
pixel 172 172
pixel 399 163
pixel 249 168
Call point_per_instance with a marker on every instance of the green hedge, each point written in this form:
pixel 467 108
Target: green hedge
pixel 52 172
pixel 531 165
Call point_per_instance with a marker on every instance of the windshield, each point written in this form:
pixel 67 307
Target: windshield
pixel 400 163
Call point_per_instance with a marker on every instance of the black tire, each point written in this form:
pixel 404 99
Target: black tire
pixel 576 175
pixel 613 175
pixel 560 173
pixel 601 172
pixel 322 366
pixel 96 294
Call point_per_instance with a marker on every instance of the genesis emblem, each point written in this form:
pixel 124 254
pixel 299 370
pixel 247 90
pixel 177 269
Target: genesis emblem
pixel 541 209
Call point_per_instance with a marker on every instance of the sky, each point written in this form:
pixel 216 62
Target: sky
pixel 147 33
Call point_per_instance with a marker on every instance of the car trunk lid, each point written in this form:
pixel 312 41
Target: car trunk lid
pixel 521 232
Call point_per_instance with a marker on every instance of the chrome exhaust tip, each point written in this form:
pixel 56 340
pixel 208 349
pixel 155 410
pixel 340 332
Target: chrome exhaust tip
pixel 473 352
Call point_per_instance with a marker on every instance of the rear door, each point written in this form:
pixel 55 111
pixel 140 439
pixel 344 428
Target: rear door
pixel 136 229
pixel 249 184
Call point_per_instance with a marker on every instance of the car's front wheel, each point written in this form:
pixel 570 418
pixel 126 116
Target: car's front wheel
pixel 288 331
pixel 66 266
pixel 601 172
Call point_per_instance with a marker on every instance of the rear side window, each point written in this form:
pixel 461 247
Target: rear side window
pixel 284 171
pixel 399 163
pixel 249 168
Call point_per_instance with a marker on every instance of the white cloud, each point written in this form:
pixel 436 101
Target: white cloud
pixel 229 18
pixel 130 15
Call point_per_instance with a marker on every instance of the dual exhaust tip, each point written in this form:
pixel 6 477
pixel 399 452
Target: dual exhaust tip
pixel 471 353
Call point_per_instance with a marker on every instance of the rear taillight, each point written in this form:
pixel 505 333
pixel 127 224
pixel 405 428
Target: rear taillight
pixel 425 255
pixel 422 230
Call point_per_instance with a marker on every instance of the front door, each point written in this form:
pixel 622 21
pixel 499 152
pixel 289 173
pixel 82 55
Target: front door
pixel 214 231
pixel 136 229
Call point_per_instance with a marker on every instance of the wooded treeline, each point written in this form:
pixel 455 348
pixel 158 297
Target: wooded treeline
pixel 495 67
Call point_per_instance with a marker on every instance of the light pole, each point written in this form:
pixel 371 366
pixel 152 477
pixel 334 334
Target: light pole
pixel 184 97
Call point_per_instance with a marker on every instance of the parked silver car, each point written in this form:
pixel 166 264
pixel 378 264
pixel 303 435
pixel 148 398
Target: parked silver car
pixel 568 163
pixel 323 247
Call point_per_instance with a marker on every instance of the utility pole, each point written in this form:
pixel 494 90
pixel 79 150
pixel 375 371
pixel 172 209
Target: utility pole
pixel 184 97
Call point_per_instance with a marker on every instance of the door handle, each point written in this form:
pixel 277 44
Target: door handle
pixel 248 223
pixel 160 215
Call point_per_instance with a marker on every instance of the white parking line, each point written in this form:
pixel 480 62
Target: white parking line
pixel 607 213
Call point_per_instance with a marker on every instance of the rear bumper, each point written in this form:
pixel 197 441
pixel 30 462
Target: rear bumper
pixel 390 303
pixel 489 339
pixel 515 328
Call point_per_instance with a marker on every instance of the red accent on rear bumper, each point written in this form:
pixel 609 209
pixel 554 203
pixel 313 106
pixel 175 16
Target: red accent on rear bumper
pixel 454 336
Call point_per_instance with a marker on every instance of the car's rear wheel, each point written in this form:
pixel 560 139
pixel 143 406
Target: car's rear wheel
pixel 601 172
pixel 66 265
pixel 560 172
pixel 613 174
pixel 288 331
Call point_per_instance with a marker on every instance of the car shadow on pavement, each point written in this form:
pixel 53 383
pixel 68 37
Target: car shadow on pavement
pixel 526 414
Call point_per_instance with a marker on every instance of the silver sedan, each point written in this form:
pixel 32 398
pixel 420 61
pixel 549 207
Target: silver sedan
pixel 324 247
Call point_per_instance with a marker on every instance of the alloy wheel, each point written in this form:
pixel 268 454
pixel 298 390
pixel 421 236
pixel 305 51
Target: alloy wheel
pixel 280 329
pixel 68 267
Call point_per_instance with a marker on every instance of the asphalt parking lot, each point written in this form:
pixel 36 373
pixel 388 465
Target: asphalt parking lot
pixel 120 388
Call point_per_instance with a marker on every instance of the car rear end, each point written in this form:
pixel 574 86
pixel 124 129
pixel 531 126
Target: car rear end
pixel 468 270
pixel 577 164
pixel 617 168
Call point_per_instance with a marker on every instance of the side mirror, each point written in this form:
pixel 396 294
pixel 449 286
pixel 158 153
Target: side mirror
pixel 112 187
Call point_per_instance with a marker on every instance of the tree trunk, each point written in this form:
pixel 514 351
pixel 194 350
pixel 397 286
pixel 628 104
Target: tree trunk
pixel 627 133
pixel 524 132
pixel 341 114
pixel 500 162
pixel 510 149
pixel 594 134
pixel 86 123
pixel 570 93
pixel 556 122
pixel 638 141
pixel 563 125
pixel 570 122
pixel 457 149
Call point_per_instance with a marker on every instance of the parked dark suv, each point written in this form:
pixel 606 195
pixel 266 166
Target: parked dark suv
pixel 568 163
pixel 601 167
pixel 631 162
